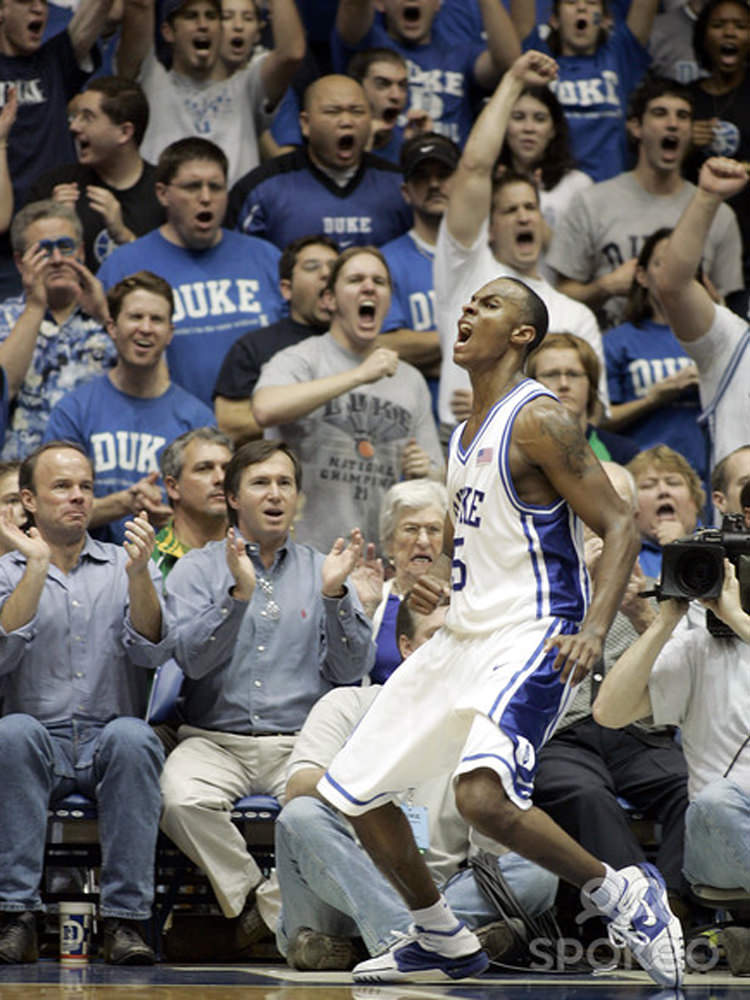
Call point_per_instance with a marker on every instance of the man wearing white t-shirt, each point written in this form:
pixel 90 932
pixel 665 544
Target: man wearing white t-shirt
pixel 196 97
pixel 494 229
pixel 714 337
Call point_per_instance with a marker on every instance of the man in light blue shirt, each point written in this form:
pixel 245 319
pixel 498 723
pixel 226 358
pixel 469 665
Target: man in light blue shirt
pixel 79 620
pixel 263 627
pixel 124 418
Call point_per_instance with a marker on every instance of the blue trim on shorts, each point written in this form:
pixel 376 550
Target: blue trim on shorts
pixel 350 798
pixel 524 792
pixel 550 631
pixel 532 711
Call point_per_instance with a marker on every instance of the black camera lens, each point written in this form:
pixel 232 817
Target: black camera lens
pixel 698 574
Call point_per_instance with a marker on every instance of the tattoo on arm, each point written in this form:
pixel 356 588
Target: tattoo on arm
pixel 560 429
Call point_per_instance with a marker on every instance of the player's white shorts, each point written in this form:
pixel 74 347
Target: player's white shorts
pixel 455 705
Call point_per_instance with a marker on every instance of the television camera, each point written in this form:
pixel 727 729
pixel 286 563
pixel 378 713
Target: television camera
pixel 693 567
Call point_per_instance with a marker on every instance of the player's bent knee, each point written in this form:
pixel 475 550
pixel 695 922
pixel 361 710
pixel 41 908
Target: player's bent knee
pixel 483 803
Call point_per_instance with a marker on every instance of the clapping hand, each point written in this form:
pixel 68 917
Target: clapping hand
pixel 29 543
pixel 147 495
pixel 368 578
pixel 340 562
pixel 240 566
pixel 139 543
pixel 91 297
pixel 33 268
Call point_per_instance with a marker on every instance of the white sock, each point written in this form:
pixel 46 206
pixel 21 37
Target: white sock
pixel 438 917
pixel 443 932
pixel 607 895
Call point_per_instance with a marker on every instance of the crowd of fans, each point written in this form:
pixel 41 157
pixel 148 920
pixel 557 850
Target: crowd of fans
pixel 236 238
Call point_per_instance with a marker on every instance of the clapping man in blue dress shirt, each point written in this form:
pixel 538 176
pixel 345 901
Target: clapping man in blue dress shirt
pixel 79 620
pixel 263 627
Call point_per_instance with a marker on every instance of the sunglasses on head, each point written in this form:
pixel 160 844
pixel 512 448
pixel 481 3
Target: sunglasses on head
pixel 65 244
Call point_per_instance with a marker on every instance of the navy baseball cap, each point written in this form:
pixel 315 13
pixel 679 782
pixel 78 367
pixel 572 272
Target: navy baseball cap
pixel 428 146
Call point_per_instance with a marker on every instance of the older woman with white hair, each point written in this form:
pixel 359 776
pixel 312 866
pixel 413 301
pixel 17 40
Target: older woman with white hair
pixel 412 516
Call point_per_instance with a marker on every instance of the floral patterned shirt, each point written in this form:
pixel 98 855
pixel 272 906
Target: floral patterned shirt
pixel 65 356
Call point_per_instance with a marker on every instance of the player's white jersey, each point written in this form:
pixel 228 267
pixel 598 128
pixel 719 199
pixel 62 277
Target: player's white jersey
pixel 512 561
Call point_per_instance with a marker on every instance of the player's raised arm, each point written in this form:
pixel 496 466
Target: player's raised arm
pixel 551 440
pixel 470 197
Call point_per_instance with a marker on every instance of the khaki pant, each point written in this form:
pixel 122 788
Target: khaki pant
pixel 202 779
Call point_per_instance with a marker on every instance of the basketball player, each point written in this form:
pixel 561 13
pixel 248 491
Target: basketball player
pixel 482 696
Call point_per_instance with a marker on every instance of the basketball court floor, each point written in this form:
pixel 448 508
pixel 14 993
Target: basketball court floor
pixel 47 980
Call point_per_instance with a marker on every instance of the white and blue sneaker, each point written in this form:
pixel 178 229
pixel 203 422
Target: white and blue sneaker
pixel 409 960
pixel 643 921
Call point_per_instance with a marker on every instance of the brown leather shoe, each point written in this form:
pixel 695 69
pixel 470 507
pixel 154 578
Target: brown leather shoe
pixel 123 944
pixel 502 939
pixel 313 951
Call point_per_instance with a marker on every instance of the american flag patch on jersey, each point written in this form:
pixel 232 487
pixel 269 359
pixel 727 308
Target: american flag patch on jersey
pixel 484 456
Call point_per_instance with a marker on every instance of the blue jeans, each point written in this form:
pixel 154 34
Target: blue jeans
pixel 329 883
pixel 717 837
pixel 117 765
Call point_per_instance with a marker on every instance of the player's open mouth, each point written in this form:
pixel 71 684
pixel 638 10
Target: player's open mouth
pixel 275 513
pixel 345 143
pixel 728 49
pixel 36 27
pixel 82 144
pixel 367 309
pixel 581 23
pixel 670 143
pixel 202 44
pixel 464 331
pixel 665 510
pixel 237 43
pixel 204 219
pixel 525 237
pixel 412 13
pixel 144 343
pixel 390 115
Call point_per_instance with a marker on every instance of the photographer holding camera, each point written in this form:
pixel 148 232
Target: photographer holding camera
pixel 701 683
